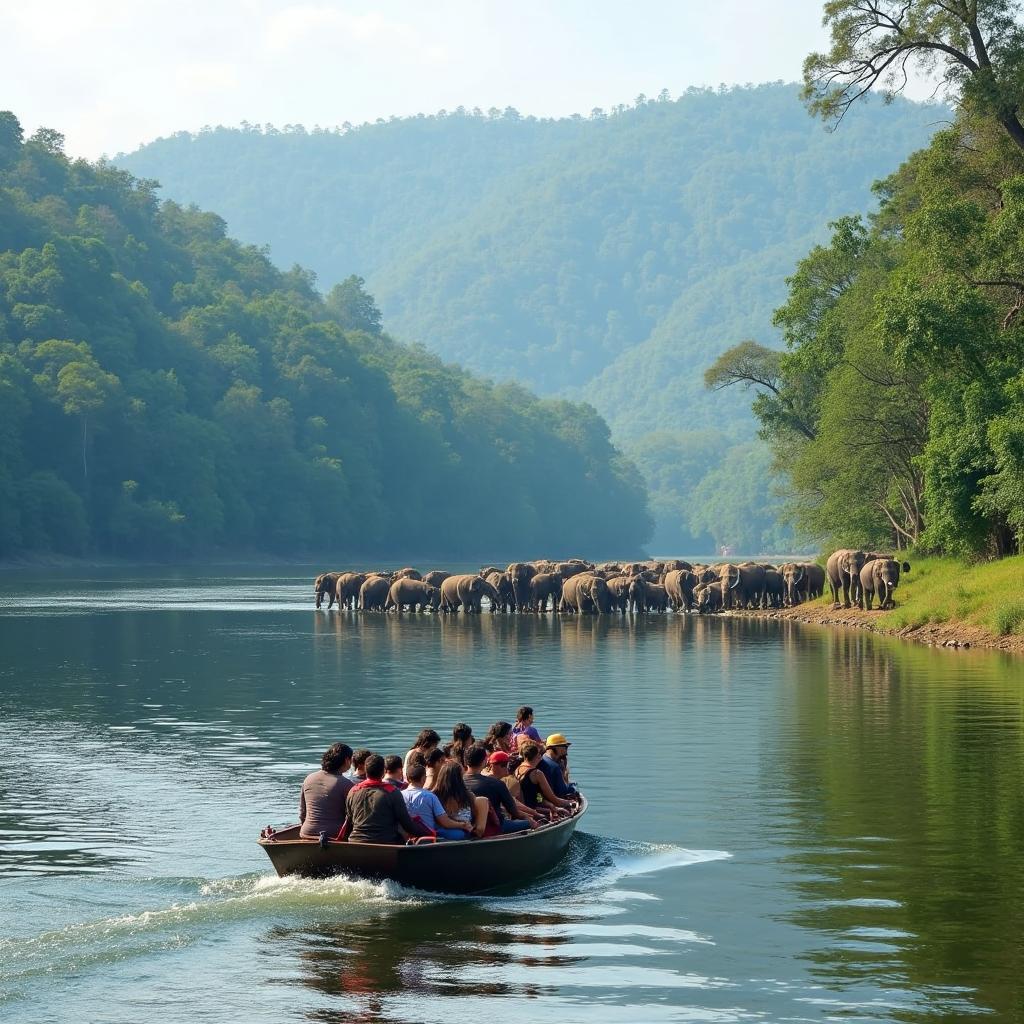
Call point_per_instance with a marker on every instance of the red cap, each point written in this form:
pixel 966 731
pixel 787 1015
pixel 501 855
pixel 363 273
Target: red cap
pixel 498 757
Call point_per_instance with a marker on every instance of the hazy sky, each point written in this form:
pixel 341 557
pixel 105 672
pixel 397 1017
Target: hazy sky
pixel 112 74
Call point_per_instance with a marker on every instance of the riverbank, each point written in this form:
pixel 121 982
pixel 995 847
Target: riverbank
pixel 941 602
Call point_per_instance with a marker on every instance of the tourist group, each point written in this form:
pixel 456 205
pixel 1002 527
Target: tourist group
pixel 512 780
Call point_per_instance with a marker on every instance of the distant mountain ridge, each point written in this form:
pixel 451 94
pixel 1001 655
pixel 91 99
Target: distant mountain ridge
pixel 609 258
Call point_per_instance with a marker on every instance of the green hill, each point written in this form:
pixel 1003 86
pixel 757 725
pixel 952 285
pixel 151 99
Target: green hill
pixel 167 392
pixel 609 257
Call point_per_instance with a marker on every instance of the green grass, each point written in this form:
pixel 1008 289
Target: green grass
pixel 936 590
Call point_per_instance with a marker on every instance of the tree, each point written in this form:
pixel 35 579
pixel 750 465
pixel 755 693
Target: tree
pixel 11 137
pixel 754 365
pixel 975 47
pixel 85 389
pixel 353 307
pixel 49 139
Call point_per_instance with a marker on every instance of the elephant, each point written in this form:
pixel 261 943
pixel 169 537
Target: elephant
pixel 679 584
pixel 501 583
pixel 618 587
pixel 521 573
pixel 774 589
pixel 752 583
pixel 638 593
pixel 465 591
pixel 436 577
pixel 843 572
pixel 413 594
pixel 407 573
pixel 800 580
pixel 881 576
pixel 490 592
pixel 586 592
pixel 707 574
pixel 571 567
pixel 487 570
pixel 543 586
pixel 374 593
pixel 347 589
pixel 677 565
pixel 656 597
pixel 741 585
pixel 324 585
pixel 708 597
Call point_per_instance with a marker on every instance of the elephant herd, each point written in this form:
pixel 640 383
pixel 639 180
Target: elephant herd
pixel 576 586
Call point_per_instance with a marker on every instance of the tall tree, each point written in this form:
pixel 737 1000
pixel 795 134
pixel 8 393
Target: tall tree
pixel 975 48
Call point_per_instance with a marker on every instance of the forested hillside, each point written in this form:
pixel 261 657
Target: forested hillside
pixel 611 257
pixel 166 391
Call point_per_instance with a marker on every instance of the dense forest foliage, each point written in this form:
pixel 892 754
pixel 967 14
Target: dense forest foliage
pixel 896 413
pixel 610 257
pixel 166 391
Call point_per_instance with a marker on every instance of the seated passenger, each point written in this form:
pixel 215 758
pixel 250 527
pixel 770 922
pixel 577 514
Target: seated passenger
pixel 435 759
pixel 425 807
pixel 557 747
pixel 524 727
pixel 376 812
pixel 425 743
pixel 498 767
pixel 462 740
pixel 534 786
pixel 499 737
pixel 457 801
pixel 358 772
pixel 510 818
pixel 322 800
pixel 393 771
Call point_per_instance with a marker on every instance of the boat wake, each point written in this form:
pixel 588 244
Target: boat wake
pixel 591 868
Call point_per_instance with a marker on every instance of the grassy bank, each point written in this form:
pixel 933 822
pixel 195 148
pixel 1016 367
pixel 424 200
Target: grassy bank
pixel 989 596
pixel 943 602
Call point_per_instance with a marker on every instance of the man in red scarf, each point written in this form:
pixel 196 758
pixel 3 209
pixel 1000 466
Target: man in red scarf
pixel 376 812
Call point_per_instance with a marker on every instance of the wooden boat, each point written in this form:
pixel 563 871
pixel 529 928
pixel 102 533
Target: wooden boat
pixel 464 866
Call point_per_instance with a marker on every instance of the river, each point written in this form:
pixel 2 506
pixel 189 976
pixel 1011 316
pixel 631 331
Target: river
pixel 786 824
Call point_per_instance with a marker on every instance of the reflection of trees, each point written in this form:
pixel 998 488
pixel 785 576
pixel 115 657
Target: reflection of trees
pixel 418 952
pixel 903 768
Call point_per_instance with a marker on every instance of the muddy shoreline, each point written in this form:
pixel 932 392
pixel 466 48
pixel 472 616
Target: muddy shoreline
pixel 951 635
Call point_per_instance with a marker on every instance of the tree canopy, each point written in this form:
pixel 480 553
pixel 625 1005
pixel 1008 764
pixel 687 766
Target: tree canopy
pixel 973 48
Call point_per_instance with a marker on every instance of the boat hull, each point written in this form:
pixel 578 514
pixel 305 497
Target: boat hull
pixel 465 866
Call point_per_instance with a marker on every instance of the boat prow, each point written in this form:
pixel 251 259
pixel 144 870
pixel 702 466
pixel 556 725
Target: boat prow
pixel 463 866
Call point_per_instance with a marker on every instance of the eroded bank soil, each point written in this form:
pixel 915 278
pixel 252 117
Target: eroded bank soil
pixel 956 635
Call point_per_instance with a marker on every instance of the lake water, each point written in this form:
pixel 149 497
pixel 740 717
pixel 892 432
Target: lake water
pixel 786 824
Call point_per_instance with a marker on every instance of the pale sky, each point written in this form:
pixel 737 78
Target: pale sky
pixel 112 74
